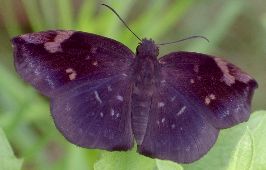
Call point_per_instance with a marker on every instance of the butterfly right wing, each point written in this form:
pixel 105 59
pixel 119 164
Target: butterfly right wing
pixel 96 114
pixel 197 95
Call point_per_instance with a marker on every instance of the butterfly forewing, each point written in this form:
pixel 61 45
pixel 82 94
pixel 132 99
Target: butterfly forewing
pixel 176 130
pixel 51 59
pixel 211 84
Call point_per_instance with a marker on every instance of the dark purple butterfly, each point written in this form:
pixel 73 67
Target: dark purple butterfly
pixel 104 96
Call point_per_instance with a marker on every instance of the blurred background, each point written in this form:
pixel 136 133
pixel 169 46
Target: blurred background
pixel 236 30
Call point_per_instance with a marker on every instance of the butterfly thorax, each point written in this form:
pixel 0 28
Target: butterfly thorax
pixel 147 48
pixel 146 75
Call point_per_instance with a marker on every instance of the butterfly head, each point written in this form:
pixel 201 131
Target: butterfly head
pixel 147 48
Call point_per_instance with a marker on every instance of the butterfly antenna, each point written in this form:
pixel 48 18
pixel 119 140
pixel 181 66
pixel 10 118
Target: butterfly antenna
pixel 184 39
pixel 121 19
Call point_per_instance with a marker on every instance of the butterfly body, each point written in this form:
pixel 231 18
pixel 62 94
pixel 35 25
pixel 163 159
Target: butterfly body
pixel 145 79
pixel 105 96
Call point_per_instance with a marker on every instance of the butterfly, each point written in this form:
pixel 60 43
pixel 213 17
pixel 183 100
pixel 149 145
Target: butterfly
pixel 104 96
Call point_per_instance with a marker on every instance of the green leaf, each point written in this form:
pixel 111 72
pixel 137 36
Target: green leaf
pixel 77 159
pixel 167 165
pixel 10 164
pixel 219 156
pixel 250 152
pixel 129 160
pixel 7 159
pixel 243 154
pixel 258 131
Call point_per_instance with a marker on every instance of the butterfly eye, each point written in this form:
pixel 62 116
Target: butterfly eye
pixel 137 49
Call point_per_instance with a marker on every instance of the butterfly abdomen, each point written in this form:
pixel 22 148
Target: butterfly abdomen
pixel 146 74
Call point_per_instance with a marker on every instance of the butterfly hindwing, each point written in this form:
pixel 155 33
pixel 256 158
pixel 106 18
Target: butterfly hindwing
pixel 51 59
pixel 96 114
pixel 176 130
pixel 211 84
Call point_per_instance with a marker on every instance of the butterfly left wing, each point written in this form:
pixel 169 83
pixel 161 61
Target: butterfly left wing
pixel 87 78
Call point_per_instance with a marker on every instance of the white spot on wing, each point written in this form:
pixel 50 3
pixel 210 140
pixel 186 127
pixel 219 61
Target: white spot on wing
pixel 236 73
pixel 212 96
pixel 225 114
pixel 124 74
pixel 243 77
pixel 88 57
pixel 55 46
pixel 161 104
pixel 227 77
pixel 196 68
pixel 112 112
pixel 101 114
pixel 72 73
pixel 181 111
pixel 68 108
pixel 97 97
pixel 93 50
pixel 238 108
pixel 37 71
pixel 209 98
pixel 173 126
pixel 173 98
pixel 163 120
pixel 95 63
pixel 118 97
pixel 109 88
pixel 192 81
pixel 240 75
pixel 50 82
pixel 162 62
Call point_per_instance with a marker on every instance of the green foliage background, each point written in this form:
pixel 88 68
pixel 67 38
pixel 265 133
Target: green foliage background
pixel 236 29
